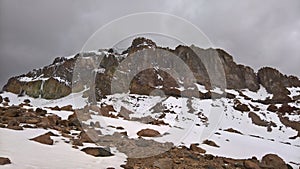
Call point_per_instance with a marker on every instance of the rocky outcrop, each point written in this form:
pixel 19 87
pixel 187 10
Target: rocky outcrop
pixel 53 89
pixel 277 83
pixel 55 81
pixel 48 89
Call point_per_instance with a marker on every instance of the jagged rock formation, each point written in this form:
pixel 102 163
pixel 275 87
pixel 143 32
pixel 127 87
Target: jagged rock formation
pixel 58 79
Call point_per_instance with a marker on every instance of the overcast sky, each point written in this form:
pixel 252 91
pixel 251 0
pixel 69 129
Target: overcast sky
pixel 257 33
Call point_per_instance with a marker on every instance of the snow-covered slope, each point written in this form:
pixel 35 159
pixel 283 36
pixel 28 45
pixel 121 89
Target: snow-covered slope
pixel 187 121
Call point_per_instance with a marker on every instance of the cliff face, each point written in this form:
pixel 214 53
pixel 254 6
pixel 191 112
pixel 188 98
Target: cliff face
pixel 58 79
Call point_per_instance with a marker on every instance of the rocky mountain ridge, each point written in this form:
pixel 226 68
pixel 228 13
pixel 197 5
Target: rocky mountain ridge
pixel 57 79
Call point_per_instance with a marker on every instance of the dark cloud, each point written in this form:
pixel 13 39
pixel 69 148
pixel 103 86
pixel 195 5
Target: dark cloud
pixel 257 33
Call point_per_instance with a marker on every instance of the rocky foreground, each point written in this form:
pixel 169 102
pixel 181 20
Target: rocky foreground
pixel 22 116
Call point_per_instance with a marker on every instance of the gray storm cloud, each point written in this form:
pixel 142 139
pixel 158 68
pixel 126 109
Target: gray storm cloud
pixel 257 33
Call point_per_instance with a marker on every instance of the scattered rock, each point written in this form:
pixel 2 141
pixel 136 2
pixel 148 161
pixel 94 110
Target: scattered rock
pixel 231 130
pixel 4 161
pixel 272 108
pixel 148 133
pixel 67 108
pixel 44 139
pixel 6 99
pixel 257 120
pixel 125 113
pixel 40 112
pixel 97 151
pixel 89 136
pixel 27 101
pixel 241 107
pixel 210 143
pixel 195 148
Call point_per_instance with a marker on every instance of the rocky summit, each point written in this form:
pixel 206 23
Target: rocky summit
pixel 59 79
pixel 150 107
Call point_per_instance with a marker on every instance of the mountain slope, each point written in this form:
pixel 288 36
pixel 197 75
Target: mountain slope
pixel 140 108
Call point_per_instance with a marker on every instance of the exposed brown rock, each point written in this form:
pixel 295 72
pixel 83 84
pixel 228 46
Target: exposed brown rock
pixel 125 113
pixel 272 108
pixel 44 139
pixel 67 108
pixel 249 164
pixel 53 89
pixel 210 143
pixel 285 108
pixel 274 161
pixel 194 147
pixel 231 130
pixel 257 120
pixel 276 83
pixel 148 133
pixel 4 161
pixel 97 151
pixel 241 107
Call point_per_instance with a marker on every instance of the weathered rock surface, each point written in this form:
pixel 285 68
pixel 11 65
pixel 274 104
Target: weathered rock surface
pixel 4 161
pixel 201 63
pixel 97 151
pixel 44 139
pixel 148 133
pixel 274 161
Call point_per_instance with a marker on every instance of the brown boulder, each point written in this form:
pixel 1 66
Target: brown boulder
pixel 194 147
pixel 231 130
pixel 44 139
pixel 274 161
pixel 241 107
pixel 1 99
pixel 251 165
pixel 148 133
pixel 210 143
pixel 97 151
pixel 272 108
pixel 257 120
pixel 67 108
pixel 125 113
pixel 4 161
pixel 89 136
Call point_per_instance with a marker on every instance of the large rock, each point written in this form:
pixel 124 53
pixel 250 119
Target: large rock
pixel 44 139
pixel 97 151
pixel 148 133
pixel 274 161
pixel 4 161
